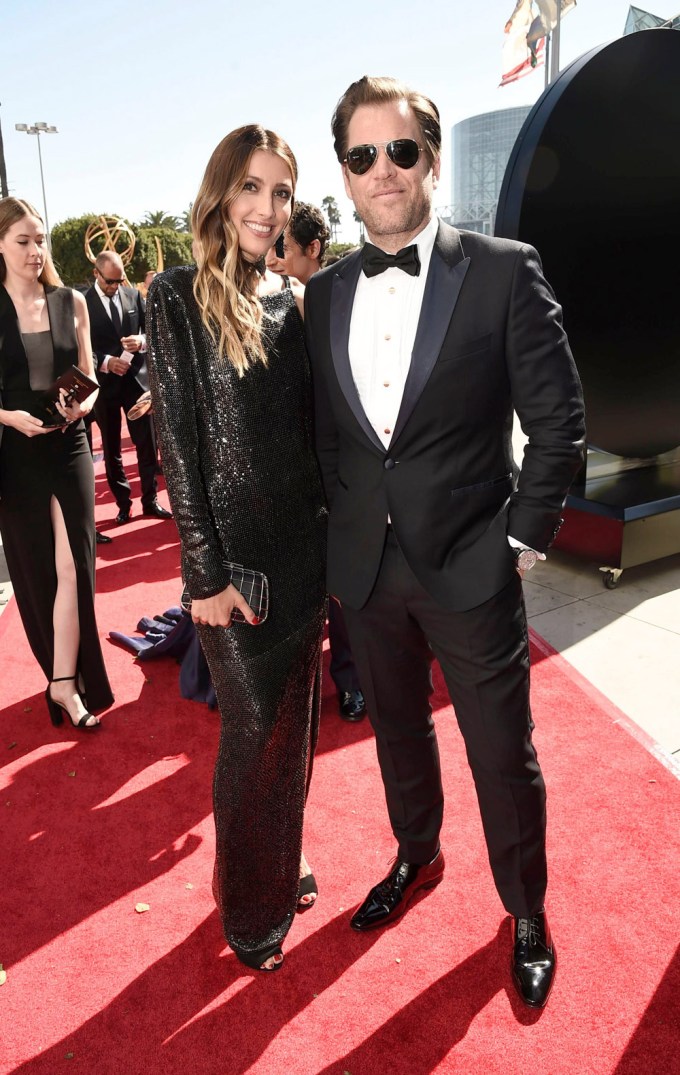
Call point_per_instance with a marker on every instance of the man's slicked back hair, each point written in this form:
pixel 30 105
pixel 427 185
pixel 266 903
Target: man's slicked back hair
pixel 370 90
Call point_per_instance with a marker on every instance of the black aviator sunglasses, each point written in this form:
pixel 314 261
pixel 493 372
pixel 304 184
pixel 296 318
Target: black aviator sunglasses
pixel 110 281
pixel 403 152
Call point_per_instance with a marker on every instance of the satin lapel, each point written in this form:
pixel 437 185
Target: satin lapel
pixel 448 266
pixel 342 297
pixel 126 299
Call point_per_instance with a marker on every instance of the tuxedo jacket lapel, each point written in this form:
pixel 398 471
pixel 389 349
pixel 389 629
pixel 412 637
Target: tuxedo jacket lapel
pixel 448 266
pixel 125 317
pixel 128 304
pixel 342 299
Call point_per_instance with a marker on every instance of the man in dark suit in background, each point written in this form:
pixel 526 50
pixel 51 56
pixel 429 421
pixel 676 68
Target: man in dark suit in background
pixel 421 345
pixel 119 343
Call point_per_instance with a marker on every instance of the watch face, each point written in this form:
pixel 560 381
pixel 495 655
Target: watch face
pixel 526 558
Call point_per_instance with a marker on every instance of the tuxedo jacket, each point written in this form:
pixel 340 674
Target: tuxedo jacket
pixel 106 342
pixel 489 339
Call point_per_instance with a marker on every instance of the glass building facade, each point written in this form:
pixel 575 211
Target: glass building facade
pixel 481 147
pixel 644 20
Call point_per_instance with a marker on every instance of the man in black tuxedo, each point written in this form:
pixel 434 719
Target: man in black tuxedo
pixel 421 346
pixel 119 343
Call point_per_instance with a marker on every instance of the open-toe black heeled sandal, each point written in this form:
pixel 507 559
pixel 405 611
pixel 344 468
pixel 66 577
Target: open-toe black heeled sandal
pixel 307 887
pixel 57 710
pixel 255 959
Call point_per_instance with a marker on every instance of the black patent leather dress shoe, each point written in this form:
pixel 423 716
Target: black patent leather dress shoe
pixel 388 900
pixel 123 516
pixel 352 705
pixel 533 959
pixel 157 511
pixel 102 539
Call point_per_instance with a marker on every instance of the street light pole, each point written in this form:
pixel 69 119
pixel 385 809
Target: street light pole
pixel 555 45
pixel 37 129
pixel 3 170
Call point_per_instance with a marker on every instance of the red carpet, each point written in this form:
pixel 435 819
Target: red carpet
pixel 92 826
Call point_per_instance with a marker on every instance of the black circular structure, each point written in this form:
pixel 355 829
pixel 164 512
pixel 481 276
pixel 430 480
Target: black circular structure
pixel 593 183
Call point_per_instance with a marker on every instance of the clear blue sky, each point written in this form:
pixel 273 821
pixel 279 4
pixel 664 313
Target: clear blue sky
pixel 142 93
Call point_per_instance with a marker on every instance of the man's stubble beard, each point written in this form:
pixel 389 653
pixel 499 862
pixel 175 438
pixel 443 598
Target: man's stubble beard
pixel 409 219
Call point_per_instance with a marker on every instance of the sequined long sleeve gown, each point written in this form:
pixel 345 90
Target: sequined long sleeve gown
pixel 32 471
pixel 244 486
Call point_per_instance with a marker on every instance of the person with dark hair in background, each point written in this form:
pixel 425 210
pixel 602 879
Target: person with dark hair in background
pixel 420 346
pixel 46 472
pixel 117 327
pixel 231 392
pixel 300 252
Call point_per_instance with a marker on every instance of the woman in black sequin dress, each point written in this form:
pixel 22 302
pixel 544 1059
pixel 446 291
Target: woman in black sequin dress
pixel 231 399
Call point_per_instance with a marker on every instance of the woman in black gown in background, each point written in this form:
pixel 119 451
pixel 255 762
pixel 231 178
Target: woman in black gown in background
pixel 230 388
pixel 46 474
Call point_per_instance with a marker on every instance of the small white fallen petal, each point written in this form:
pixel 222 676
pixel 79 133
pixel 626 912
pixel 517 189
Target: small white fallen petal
pixel 140 908
pixel 189 885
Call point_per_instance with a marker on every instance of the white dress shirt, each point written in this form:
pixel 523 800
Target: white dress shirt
pixel 382 333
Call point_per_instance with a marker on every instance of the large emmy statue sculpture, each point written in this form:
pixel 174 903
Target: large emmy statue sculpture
pixel 594 183
pixel 110 233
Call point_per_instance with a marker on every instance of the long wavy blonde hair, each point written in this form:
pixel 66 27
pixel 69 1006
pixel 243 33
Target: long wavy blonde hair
pixel 226 282
pixel 11 211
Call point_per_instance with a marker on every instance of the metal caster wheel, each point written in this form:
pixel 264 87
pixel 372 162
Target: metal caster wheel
pixel 611 577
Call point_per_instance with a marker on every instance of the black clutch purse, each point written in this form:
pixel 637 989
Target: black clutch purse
pixel 77 386
pixel 253 585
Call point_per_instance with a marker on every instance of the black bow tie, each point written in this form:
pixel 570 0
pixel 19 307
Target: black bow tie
pixel 376 261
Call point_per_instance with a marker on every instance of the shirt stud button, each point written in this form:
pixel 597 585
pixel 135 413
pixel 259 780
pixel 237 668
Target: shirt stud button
pixel 387 336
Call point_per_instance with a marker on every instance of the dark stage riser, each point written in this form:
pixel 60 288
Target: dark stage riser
pixel 593 183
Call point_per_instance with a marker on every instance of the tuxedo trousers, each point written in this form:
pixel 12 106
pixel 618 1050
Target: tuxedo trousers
pixel 342 668
pixel 108 414
pixel 484 657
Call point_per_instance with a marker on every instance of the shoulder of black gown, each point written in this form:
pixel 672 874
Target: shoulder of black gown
pixel 179 279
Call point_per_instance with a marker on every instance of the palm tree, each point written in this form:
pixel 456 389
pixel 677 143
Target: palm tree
pixel 185 219
pixel 331 210
pixel 161 219
pixel 362 236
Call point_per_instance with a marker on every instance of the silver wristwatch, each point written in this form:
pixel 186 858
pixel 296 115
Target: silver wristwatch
pixel 525 559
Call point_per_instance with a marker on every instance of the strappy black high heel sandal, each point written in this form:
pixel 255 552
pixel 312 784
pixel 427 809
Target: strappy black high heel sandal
pixel 307 887
pixel 57 710
pixel 255 959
